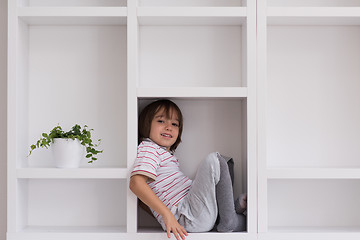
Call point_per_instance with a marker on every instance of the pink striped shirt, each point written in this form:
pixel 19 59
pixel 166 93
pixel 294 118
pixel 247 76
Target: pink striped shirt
pixel 169 183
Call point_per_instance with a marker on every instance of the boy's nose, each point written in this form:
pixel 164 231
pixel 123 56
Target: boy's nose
pixel 168 127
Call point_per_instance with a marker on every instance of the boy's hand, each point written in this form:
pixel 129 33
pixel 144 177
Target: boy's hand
pixel 173 226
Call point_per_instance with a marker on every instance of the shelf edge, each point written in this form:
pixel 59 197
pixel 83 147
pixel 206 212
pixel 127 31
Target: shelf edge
pixel 313 173
pixel 192 11
pixel 313 12
pixel 192 15
pixel 75 173
pixel 72 11
pixel 193 92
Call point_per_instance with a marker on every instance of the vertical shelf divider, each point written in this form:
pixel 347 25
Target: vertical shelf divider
pixel 11 119
pixel 132 80
pixel 261 114
pixel 249 47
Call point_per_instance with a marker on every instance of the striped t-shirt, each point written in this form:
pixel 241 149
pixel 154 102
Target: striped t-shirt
pixel 169 183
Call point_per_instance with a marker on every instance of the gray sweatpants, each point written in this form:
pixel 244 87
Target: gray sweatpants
pixel 198 211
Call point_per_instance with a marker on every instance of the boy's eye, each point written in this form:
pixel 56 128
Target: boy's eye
pixel 175 125
pixel 160 121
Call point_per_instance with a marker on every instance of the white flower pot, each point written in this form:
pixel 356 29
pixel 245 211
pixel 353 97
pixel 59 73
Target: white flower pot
pixel 67 152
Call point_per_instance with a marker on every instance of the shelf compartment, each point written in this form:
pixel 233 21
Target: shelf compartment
pixel 73 15
pixel 81 173
pixel 224 122
pixel 191 56
pixel 195 92
pixel 210 125
pixel 81 71
pixel 313 16
pixel 332 204
pixel 313 97
pixel 313 173
pixel 71 205
pixel 192 15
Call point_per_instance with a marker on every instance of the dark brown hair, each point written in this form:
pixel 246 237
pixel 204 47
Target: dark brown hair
pixel 148 114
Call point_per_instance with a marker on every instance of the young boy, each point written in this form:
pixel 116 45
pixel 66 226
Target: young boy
pixel 177 202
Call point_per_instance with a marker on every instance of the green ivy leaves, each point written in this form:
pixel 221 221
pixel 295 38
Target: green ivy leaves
pixel 76 132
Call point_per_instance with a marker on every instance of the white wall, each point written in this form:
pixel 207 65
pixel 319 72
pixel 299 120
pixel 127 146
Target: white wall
pixel 3 115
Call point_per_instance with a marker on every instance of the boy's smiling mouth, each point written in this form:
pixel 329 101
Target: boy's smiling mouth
pixel 166 135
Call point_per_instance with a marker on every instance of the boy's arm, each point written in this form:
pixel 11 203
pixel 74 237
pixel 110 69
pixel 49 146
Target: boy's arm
pixel 142 190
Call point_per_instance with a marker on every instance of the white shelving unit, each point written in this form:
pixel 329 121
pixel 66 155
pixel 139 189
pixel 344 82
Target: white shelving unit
pixel 274 84
pixel 308 119
pixel 284 105
pixel 97 62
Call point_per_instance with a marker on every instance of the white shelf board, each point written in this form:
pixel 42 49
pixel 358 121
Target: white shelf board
pixel 73 15
pixel 192 15
pixel 193 92
pixel 313 15
pixel 158 233
pixel 74 229
pixel 72 173
pixel 300 233
pixel 313 173
pixel 46 233
pixel 69 233
pixel 313 229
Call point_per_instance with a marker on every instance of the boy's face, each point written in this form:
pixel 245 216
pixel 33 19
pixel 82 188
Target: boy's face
pixel 164 131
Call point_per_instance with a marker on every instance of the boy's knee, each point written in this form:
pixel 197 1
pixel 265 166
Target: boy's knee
pixel 212 159
pixel 212 162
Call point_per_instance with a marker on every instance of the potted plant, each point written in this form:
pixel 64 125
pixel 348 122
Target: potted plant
pixel 68 147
